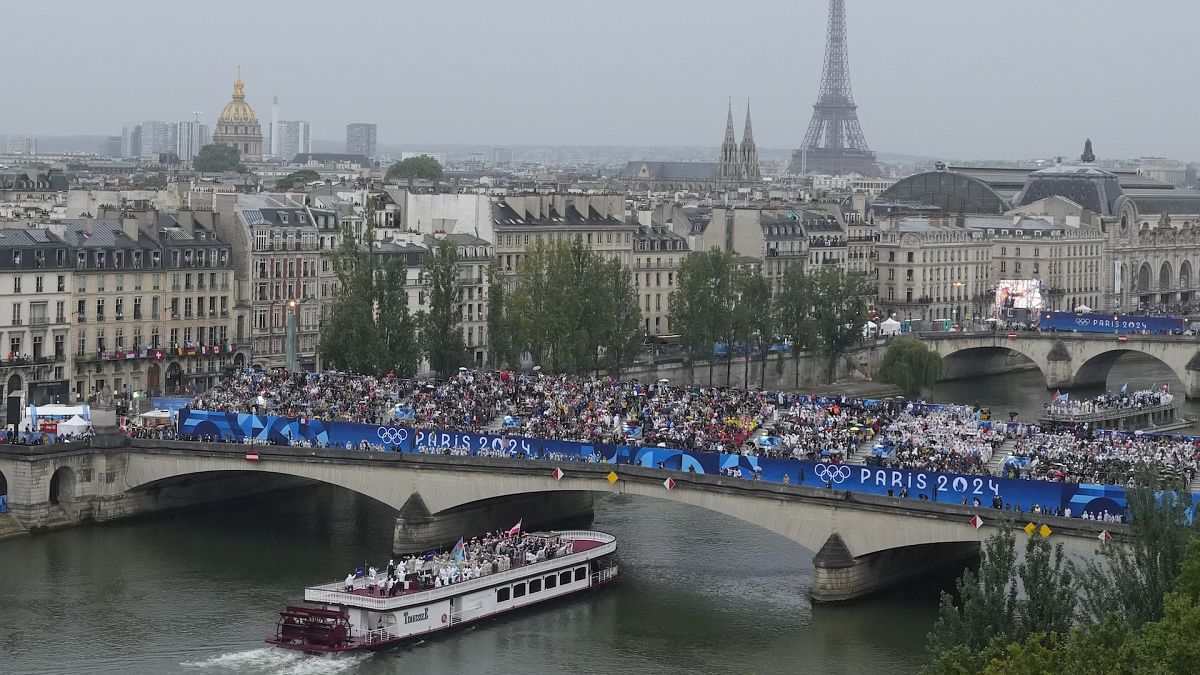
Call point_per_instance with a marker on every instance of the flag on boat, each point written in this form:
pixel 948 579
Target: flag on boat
pixel 459 551
pixel 1125 388
pixel 515 529
pixel 1065 397
pixel 1057 396
pixel 1167 388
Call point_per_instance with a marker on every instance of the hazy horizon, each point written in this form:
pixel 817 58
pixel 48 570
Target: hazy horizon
pixel 932 78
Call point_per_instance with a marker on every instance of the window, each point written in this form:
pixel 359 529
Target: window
pixel 580 573
pixel 39 284
pixel 551 582
pixel 564 578
pixel 17 284
pixel 535 585
pixel 502 594
pixel 518 590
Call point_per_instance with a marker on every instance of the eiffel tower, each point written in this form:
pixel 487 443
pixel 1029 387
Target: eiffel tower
pixel 834 142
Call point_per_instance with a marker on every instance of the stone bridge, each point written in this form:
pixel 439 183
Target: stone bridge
pixel 862 542
pixel 1065 359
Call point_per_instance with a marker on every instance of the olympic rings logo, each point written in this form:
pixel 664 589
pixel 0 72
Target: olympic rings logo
pixel 832 473
pixel 392 435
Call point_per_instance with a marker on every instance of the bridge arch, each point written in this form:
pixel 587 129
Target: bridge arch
pixel 62 485
pixel 1094 371
pixel 959 363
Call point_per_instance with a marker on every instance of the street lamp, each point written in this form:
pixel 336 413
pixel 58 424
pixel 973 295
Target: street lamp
pixel 291 336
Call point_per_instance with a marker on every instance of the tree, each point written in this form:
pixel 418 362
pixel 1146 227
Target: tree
pixel 570 309
pixel 441 327
pixel 416 168
pixel 910 365
pixel 987 601
pixel 296 179
pixel 153 181
pixel 369 329
pixel 501 337
pixel 216 158
pixel 1131 578
pixel 754 318
pixel 839 312
pixel 620 334
pixel 702 303
pixel 794 305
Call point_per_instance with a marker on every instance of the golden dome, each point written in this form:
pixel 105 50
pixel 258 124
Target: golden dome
pixel 238 111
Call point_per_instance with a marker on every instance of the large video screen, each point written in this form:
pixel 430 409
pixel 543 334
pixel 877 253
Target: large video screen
pixel 1018 294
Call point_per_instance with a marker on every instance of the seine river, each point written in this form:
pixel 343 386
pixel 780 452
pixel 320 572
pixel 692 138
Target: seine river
pixel 699 593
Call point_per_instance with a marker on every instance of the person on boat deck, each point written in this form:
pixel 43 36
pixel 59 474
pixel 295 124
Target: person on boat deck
pixel 350 582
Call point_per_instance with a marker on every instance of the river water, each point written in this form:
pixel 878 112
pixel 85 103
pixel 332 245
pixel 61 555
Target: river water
pixel 1024 392
pixel 195 592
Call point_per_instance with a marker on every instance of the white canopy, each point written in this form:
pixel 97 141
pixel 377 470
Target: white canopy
pixel 75 425
pixel 869 328
pixel 1084 309
pixel 889 327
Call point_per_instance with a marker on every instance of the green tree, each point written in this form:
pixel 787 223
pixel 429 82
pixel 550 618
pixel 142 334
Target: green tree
pixel 839 312
pixel 416 168
pixel 1132 576
pixel 501 337
pixel 754 318
pixel 369 329
pixel 910 365
pixel 793 308
pixel 619 330
pixel 216 158
pixel 987 601
pixel 702 307
pixel 153 181
pixel 441 326
pixel 297 179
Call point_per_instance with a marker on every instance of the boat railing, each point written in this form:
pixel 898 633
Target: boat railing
pixel 333 593
pixel 1075 415
pixel 376 635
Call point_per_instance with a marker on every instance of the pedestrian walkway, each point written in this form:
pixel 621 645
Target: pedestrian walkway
pixel 1001 454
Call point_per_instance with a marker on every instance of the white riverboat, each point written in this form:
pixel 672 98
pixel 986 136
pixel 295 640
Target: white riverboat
pixel 362 616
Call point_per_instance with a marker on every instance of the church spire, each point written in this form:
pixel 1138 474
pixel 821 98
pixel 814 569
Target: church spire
pixel 239 90
pixel 729 168
pixel 748 153
pixel 1088 156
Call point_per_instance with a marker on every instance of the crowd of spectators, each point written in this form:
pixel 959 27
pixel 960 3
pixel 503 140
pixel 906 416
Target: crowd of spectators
pixel 1108 402
pixel 1102 457
pixel 949 438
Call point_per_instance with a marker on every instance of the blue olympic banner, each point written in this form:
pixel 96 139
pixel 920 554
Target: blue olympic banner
pixel 935 486
pixel 1093 322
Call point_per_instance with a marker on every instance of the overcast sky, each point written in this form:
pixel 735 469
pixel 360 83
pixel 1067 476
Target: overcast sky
pixel 941 78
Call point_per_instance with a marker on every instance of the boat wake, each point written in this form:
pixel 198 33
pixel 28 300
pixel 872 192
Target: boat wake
pixel 272 661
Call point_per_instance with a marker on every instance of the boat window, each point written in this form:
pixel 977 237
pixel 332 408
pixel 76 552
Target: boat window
pixel 535 585
pixel 518 590
pixel 551 582
pixel 565 578
pixel 502 594
pixel 580 573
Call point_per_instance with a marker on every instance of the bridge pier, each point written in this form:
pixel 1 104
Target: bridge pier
pixel 417 530
pixel 839 576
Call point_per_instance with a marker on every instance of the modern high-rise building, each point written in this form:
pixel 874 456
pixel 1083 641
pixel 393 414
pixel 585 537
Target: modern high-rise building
pixel 22 145
pixel 131 140
pixel 502 156
pixel 112 147
pixel 360 139
pixel 192 136
pixel 295 137
pixel 158 138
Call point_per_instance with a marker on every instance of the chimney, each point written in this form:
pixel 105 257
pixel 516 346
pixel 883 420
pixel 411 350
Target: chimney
pixel 130 225
pixel 187 221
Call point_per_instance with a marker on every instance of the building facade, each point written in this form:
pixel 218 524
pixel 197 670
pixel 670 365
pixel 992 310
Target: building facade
pixel 35 292
pixel 360 139
pixel 191 137
pixel 657 254
pixel 295 137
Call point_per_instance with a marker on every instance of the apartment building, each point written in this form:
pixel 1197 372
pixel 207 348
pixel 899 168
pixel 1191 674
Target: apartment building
pixel 35 292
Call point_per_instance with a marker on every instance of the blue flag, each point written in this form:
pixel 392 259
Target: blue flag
pixel 1125 388
pixel 459 551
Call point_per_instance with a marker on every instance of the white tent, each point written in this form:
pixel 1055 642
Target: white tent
pixel 869 328
pixel 889 327
pixel 75 425
pixel 1083 309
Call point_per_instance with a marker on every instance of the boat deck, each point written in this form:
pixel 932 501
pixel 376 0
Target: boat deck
pixel 577 546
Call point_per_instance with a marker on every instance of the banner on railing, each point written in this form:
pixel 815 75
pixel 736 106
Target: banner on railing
pixel 931 485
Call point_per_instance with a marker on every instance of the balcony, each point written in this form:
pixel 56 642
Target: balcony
pixel 137 315
pixel 39 320
pixel 120 316
pixel 16 321
pixel 17 361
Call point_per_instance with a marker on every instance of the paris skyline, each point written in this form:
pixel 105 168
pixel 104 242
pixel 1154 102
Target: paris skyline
pixel 1021 79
